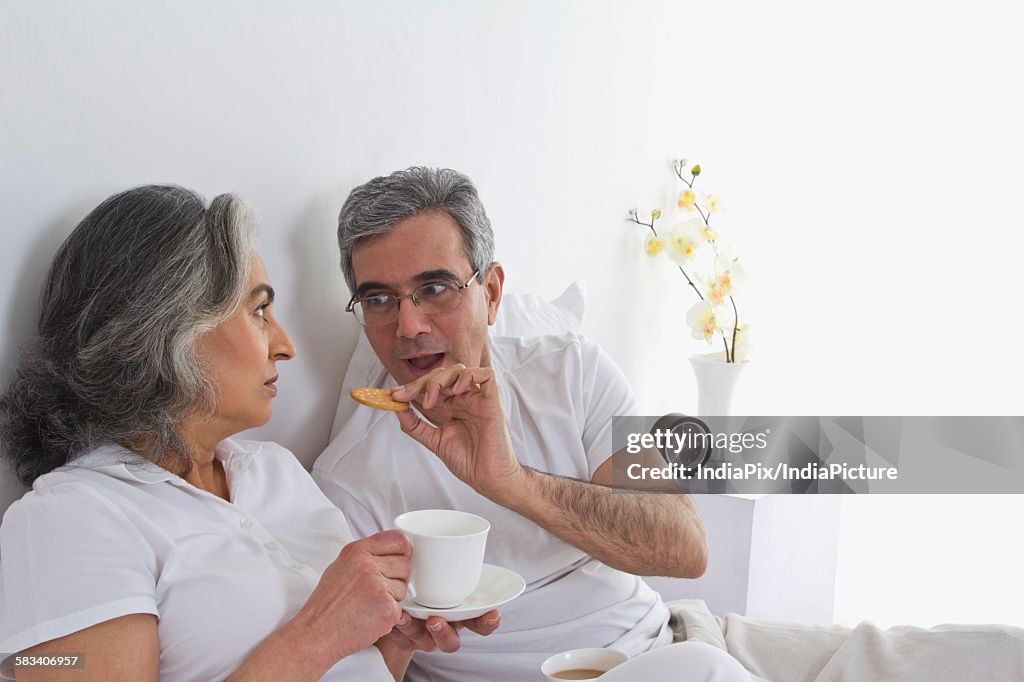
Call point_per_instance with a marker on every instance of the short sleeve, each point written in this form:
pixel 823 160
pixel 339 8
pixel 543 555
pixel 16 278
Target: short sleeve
pixel 608 394
pixel 360 520
pixel 70 560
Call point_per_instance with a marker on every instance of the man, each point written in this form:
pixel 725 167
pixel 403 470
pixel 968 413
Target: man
pixel 515 430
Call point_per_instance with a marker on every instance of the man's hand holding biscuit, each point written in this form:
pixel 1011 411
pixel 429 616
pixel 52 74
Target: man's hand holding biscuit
pixel 471 436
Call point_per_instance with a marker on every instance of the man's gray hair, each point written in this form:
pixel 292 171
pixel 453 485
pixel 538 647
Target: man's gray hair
pixel 373 209
pixel 128 295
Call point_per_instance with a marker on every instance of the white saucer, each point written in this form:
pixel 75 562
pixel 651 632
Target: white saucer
pixel 497 586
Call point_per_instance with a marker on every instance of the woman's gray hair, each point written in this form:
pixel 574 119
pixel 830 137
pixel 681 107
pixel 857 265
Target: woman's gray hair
pixel 128 294
pixel 373 209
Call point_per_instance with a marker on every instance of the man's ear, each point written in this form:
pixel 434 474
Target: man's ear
pixel 494 280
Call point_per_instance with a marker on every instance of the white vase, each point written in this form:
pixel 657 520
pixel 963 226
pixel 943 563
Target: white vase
pixel 716 380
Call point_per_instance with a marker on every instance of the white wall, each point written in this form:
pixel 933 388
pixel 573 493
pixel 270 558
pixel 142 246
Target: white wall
pixel 868 153
pixel 292 104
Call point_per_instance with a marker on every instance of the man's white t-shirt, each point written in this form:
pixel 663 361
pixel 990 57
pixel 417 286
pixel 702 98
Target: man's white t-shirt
pixel 112 534
pixel 560 394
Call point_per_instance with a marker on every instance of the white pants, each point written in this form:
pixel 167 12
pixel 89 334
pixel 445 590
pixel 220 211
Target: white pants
pixel 682 662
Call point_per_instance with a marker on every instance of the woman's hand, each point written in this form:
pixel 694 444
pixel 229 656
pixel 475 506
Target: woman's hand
pixel 411 635
pixel 354 605
pixel 356 601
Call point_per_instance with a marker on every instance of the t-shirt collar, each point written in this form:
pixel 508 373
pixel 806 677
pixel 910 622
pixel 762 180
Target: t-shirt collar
pixel 122 463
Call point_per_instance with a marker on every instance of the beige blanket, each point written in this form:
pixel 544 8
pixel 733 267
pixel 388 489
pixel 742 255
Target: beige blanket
pixel 788 652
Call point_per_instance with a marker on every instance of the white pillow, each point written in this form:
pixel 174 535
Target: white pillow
pixel 522 315
pixel 530 315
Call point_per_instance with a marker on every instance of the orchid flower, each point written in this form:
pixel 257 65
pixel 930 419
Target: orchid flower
pixel 703 321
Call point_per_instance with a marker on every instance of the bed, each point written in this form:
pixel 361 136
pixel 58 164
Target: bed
pixel 791 652
pixel 773 651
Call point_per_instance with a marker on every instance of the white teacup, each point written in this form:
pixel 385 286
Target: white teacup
pixel 447 554
pixel 581 664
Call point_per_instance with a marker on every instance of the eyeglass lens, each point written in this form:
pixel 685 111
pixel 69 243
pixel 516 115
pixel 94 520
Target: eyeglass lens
pixel 431 298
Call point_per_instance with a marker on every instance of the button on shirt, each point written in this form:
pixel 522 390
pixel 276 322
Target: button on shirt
pixel 112 534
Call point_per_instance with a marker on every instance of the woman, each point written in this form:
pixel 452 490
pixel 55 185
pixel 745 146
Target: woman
pixel 152 543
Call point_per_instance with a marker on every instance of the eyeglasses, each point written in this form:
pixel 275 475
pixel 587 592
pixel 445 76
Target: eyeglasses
pixel 431 298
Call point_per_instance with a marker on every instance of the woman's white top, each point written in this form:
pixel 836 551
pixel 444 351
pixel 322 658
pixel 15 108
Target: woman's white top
pixel 112 534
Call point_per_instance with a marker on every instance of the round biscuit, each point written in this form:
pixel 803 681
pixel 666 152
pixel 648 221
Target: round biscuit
pixel 377 398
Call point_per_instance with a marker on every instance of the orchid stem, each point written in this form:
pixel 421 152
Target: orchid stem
pixel 706 218
pixel 690 282
pixel 735 327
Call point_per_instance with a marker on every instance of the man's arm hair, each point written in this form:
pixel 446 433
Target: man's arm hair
pixel 643 533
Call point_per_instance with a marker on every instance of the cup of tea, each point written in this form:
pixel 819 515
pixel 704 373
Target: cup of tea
pixel 447 554
pixel 581 664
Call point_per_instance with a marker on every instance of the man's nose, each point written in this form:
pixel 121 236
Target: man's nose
pixel 411 320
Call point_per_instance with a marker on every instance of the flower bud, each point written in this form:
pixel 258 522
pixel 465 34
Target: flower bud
pixel 695 171
pixel 656 214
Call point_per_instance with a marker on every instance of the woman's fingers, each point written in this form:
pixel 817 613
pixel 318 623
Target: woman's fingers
pixel 397 588
pixel 429 635
pixel 395 567
pixel 414 632
pixel 444 634
pixel 387 543
pixel 437 633
pixel 485 624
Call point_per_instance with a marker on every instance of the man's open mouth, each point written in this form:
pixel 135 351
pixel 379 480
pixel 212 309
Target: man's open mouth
pixel 423 364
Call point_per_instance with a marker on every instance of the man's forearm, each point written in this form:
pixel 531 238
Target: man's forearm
pixel 640 533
